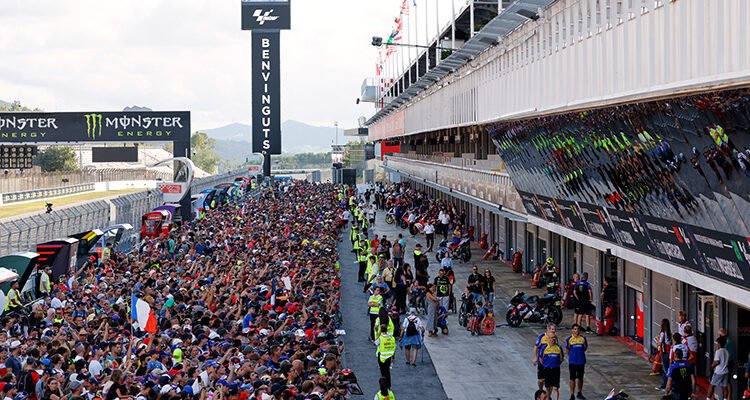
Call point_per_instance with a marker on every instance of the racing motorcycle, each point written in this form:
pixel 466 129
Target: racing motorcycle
pixel 461 250
pixel 390 216
pixel 534 309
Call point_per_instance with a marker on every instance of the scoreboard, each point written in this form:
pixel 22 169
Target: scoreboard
pixel 17 156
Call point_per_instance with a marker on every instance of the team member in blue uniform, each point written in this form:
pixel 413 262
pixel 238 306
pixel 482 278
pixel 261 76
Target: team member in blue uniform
pixel 541 342
pixel 576 344
pixel 551 358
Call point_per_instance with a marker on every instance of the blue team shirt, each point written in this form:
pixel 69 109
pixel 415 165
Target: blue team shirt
pixel 552 356
pixel 577 347
pixel 541 343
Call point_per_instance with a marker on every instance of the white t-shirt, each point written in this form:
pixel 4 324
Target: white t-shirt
pixel 56 303
pixel 722 356
pixel 417 322
pixel 95 368
pixel 444 218
pixel 681 327
pixel 429 228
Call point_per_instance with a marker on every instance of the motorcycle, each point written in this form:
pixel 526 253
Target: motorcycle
pixel 390 216
pixel 534 309
pixel 461 250
pixel 403 223
pixel 418 226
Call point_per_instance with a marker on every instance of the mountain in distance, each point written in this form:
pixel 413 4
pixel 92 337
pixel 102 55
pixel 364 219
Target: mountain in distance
pixel 136 108
pixel 4 104
pixel 296 137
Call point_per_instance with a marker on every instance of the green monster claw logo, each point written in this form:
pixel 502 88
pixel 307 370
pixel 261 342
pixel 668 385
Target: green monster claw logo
pixel 93 125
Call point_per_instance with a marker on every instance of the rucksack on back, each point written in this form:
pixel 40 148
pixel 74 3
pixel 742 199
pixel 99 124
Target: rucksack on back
pixel 411 329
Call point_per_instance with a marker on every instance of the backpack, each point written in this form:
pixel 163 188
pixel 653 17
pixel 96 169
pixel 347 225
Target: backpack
pixel 26 382
pixel 411 329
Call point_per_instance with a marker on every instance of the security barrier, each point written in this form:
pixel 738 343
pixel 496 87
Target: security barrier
pixel 23 233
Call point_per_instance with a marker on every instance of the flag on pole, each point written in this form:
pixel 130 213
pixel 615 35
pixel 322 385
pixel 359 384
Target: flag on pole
pixel 141 312
pixel 405 7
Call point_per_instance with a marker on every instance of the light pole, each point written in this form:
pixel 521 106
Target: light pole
pixel 336 124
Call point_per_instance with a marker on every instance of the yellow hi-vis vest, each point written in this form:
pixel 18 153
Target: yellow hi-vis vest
pixel 375 298
pixel 14 297
pixel 390 396
pixel 44 283
pixel 390 329
pixel 386 347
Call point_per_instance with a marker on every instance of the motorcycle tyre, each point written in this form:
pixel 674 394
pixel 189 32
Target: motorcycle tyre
pixel 554 315
pixel 513 320
pixel 466 256
pixel 389 220
pixel 413 230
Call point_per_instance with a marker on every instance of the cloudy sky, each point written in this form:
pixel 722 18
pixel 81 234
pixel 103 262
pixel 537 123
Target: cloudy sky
pixel 191 55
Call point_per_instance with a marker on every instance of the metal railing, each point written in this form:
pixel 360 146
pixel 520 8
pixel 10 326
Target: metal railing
pixel 24 233
pixel 20 181
pixel 494 187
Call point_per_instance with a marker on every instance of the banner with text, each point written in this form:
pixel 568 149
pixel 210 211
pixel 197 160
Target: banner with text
pixel 266 94
pixel 42 127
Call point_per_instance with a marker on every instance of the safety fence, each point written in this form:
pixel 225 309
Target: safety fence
pixel 13 181
pixel 39 194
pixel 24 233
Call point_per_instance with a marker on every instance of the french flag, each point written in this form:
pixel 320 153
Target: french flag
pixel 141 312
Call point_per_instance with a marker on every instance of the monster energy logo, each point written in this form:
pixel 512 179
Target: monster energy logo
pixel 93 125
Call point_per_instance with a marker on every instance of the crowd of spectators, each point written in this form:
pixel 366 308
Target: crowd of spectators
pixel 245 301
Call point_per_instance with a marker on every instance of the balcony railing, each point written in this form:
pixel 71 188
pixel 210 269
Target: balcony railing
pixel 494 187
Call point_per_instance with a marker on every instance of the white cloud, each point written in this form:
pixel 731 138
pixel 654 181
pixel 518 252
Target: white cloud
pixel 187 55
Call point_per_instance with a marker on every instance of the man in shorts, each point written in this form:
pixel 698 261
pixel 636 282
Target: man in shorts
pixel 541 342
pixel 720 378
pixel 583 295
pixel 576 344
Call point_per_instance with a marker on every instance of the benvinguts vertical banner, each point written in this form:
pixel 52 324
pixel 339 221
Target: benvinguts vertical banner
pixel 265 18
pixel 266 93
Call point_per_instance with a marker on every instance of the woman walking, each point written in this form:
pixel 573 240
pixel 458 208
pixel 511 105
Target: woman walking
pixel 664 345
pixel 432 305
pixel 403 280
pixel 489 288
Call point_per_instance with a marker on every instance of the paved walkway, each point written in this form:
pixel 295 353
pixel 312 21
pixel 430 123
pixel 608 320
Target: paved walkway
pixel 500 366
pixel 408 383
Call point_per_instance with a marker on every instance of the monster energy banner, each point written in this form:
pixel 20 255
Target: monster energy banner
pixel 39 127
pixel 266 93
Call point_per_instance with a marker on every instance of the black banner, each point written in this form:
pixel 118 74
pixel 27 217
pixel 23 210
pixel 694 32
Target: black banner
pixel 630 230
pixel 266 93
pixel 721 255
pixel 597 222
pixel 114 154
pixel 259 14
pixel 668 241
pixel 549 209
pixel 571 215
pixel 530 204
pixel 41 127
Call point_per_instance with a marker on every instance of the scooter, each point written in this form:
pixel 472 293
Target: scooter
pixel 534 309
